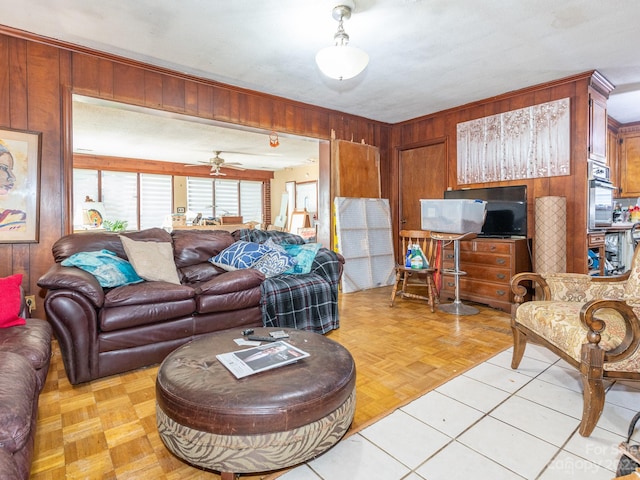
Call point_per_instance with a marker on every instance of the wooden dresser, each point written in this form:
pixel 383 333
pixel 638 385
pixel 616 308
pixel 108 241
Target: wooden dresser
pixel 489 263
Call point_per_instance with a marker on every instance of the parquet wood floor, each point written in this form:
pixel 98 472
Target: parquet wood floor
pixel 106 429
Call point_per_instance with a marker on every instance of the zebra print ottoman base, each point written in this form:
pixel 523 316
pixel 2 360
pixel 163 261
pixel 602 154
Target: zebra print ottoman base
pixel 267 421
pixel 256 453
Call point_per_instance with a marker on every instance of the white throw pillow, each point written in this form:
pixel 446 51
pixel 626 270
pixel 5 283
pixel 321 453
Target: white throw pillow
pixel 152 261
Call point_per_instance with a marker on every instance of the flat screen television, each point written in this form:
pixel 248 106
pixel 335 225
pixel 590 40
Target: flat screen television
pixel 506 209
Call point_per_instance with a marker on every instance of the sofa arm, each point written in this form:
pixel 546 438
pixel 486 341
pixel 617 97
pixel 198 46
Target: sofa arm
pixel 594 316
pixel 329 265
pixel 526 282
pixel 74 279
pixel 75 324
pixel 229 282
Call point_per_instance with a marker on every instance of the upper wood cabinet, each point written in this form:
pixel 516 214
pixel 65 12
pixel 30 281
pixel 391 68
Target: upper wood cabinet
pixel 613 155
pixel 599 90
pixel 630 162
pixel 597 126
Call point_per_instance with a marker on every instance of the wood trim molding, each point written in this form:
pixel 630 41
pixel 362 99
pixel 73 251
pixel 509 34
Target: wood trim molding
pixel 22 34
pixel 123 164
pixel 505 96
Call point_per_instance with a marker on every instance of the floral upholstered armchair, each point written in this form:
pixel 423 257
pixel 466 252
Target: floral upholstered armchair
pixel 591 322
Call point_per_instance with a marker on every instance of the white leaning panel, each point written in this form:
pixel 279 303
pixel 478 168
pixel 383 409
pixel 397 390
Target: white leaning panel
pixel 363 230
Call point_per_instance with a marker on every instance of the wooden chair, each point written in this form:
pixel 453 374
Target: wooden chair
pixel 424 276
pixel 591 322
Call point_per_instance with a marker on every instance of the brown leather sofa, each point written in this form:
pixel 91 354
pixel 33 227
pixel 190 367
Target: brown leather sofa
pixel 25 354
pixel 102 332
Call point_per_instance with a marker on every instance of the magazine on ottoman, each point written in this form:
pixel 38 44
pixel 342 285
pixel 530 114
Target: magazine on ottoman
pixel 246 362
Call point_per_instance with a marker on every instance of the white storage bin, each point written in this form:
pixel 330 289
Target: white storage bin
pixel 452 215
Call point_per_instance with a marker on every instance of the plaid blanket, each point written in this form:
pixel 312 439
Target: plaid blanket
pixel 304 302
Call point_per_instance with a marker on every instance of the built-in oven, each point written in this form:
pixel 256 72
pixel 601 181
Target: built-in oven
pixel 601 192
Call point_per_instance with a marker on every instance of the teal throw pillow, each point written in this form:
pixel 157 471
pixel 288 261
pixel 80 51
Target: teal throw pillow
pixel 109 269
pixel 304 255
pixel 239 255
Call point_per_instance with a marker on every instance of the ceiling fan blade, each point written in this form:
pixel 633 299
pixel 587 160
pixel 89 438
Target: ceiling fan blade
pixel 234 165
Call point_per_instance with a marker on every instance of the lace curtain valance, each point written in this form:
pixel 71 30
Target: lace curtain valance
pixel 529 142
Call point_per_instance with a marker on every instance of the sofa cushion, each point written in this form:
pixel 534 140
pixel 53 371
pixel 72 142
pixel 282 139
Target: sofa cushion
pixel 109 269
pixel 145 303
pixel 153 261
pixel 101 240
pixel 19 389
pixel 147 293
pixel 10 301
pixel 239 255
pixel 8 467
pixel 191 247
pixel 32 341
pixel 200 272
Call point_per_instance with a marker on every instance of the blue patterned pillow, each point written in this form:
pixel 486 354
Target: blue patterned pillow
pixel 239 255
pixel 304 255
pixel 109 269
pixel 274 263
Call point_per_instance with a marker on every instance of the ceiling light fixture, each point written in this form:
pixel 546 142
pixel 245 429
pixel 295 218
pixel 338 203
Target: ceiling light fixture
pixel 341 61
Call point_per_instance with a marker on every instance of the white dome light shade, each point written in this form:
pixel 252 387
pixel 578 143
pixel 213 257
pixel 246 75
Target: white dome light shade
pixel 341 62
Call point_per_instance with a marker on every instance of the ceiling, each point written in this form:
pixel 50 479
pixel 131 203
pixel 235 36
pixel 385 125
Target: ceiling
pixel 425 55
pixel 112 129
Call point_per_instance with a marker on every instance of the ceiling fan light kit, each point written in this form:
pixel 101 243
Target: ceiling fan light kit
pixel 341 61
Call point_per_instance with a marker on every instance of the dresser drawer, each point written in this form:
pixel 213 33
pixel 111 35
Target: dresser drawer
pixel 476 289
pixel 490 274
pixel 486 246
pixel 489 264
pixel 467 257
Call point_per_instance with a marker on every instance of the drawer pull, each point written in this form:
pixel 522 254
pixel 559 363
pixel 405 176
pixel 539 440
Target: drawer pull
pixel 449 256
pixel 451 284
pixel 501 261
pixel 501 276
pixel 500 292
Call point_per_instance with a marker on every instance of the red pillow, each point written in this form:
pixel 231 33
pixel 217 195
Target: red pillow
pixel 10 301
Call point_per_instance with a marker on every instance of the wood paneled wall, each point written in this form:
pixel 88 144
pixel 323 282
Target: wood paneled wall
pixel 38 76
pixel 423 130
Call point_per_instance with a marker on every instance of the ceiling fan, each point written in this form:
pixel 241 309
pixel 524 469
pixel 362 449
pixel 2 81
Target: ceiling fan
pixel 217 162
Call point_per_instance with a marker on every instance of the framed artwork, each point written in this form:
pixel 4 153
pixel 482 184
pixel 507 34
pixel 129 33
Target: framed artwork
pixel 19 186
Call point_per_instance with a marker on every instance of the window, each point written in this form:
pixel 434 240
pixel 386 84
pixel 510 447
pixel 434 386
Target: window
pixel 199 197
pixel 155 199
pixel 119 192
pixel 85 187
pixel 226 196
pixel 120 197
pixel 251 201
pixel 217 198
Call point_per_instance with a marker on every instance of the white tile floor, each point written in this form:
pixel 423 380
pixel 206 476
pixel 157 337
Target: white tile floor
pixel 490 423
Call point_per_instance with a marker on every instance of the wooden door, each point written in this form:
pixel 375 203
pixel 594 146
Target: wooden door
pixel 355 170
pixel 422 175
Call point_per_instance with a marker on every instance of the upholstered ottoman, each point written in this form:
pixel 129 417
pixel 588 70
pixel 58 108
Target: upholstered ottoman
pixel 266 421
